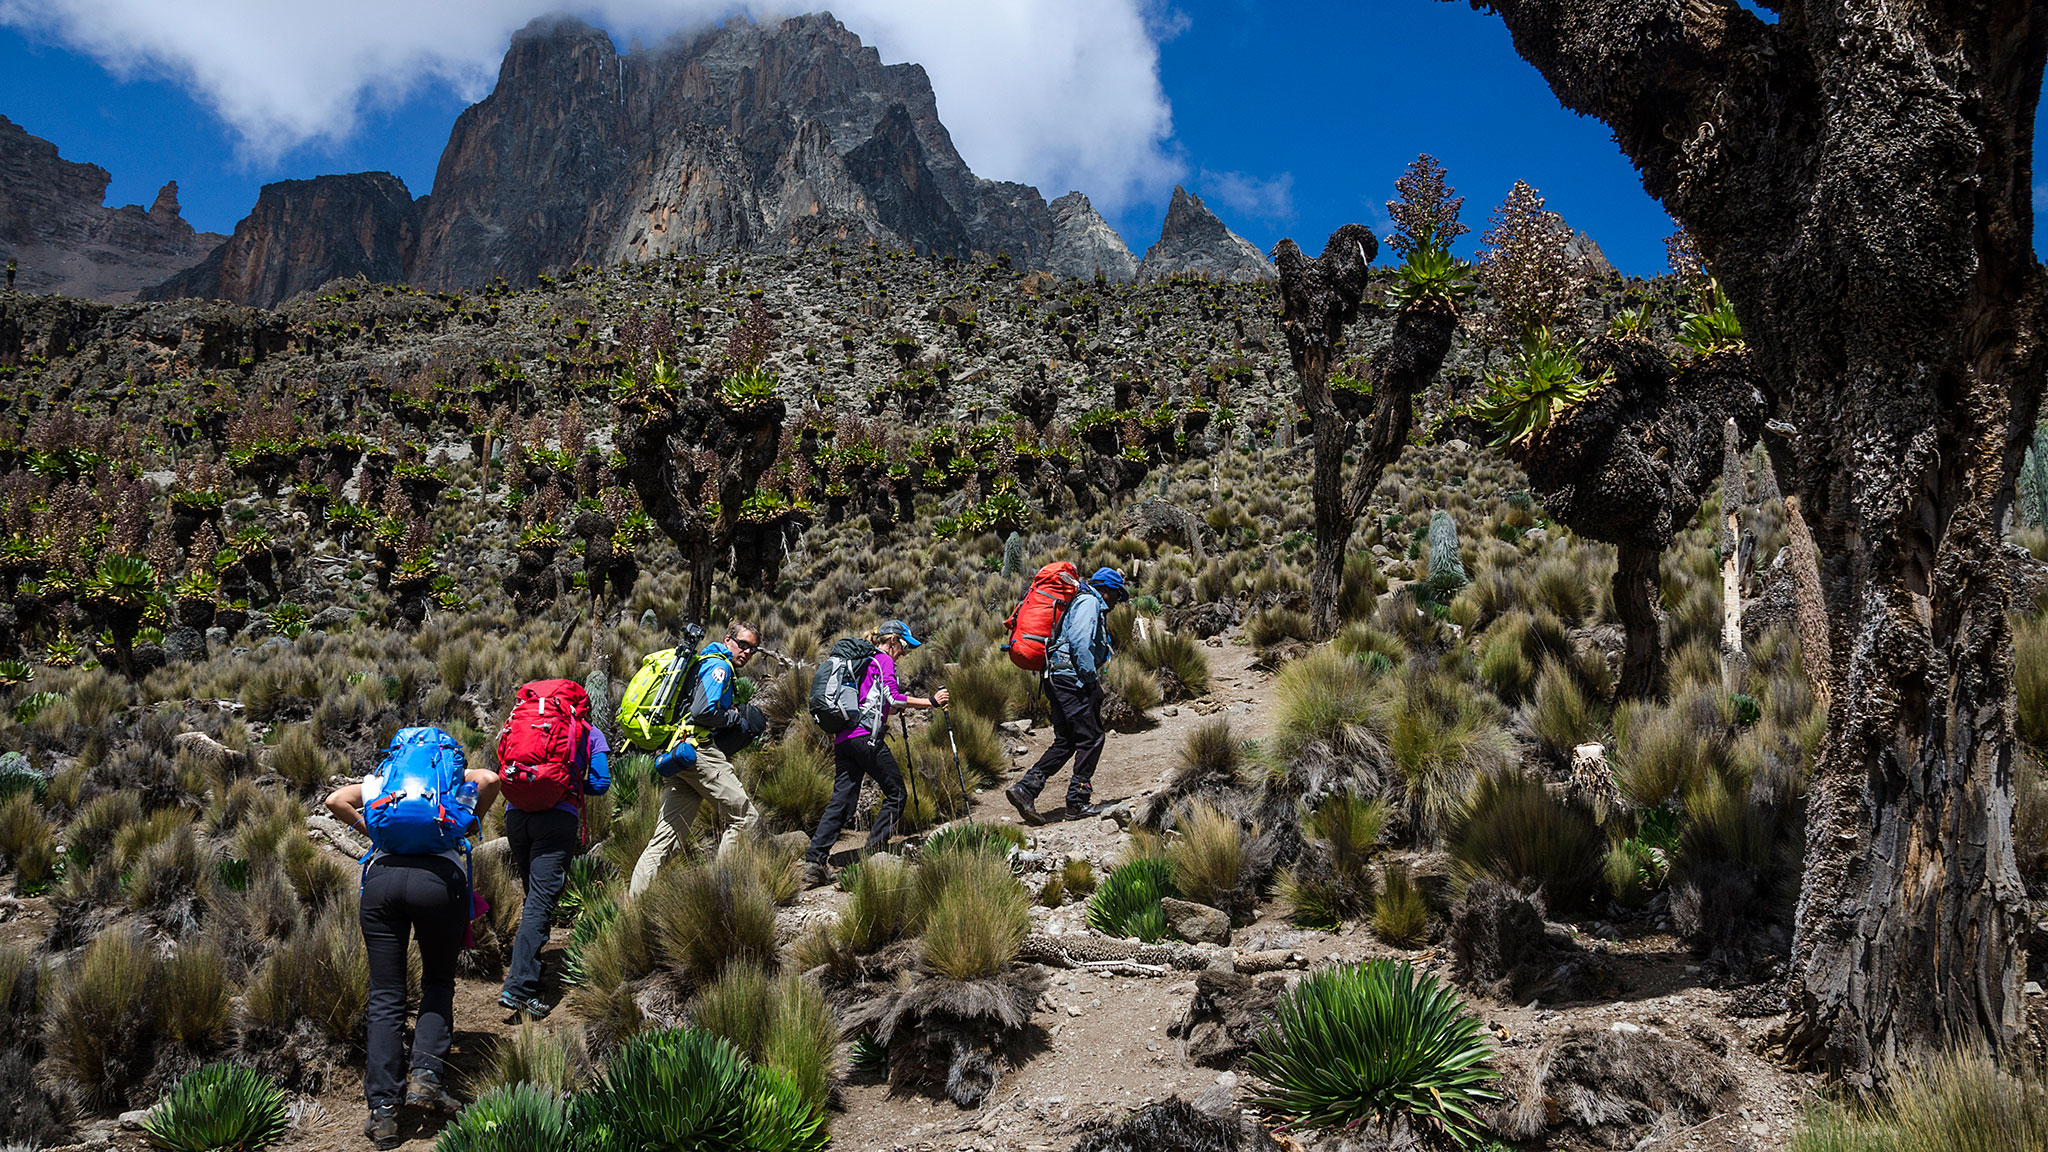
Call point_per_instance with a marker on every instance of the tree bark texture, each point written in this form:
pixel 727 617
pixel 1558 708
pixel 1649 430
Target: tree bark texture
pixel 1631 464
pixel 1320 298
pixel 1859 176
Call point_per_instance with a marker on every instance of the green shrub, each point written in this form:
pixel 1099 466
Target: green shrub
pixel 222 1107
pixel 1400 916
pixel 685 1088
pixel 1133 891
pixel 1953 1102
pixel 1365 1043
pixel 1520 835
pixel 515 1117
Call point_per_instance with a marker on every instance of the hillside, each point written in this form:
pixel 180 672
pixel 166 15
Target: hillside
pixel 244 546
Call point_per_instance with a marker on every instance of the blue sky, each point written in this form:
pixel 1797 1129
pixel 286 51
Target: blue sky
pixel 1289 120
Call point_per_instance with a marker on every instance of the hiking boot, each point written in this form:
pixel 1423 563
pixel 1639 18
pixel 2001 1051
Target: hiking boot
pixel 817 875
pixel 1025 804
pixel 424 1091
pixel 382 1126
pixel 1085 810
pixel 535 1007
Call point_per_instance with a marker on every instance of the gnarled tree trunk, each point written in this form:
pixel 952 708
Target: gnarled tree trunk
pixel 1859 176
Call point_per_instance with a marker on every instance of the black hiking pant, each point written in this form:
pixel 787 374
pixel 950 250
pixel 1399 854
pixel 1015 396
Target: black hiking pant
pixel 542 845
pixel 1077 734
pixel 404 897
pixel 853 760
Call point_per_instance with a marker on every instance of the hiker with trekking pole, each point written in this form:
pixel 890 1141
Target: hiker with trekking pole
pixel 852 694
pixel 1062 629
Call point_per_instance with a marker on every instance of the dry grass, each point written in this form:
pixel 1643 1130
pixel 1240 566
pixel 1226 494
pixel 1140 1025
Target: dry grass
pixel 552 1058
pixel 1208 853
pixel 976 919
pixel 1954 1102
pixel 704 916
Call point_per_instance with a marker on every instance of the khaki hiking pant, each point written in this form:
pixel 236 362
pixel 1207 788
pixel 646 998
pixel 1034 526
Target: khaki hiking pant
pixel 682 794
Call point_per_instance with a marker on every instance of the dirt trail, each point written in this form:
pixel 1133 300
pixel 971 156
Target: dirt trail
pixel 1100 1044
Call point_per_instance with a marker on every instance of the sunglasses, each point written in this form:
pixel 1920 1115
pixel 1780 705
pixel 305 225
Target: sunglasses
pixel 746 645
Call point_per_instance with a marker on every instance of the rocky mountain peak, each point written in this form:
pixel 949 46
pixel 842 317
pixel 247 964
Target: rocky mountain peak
pixel 55 225
pixel 1194 240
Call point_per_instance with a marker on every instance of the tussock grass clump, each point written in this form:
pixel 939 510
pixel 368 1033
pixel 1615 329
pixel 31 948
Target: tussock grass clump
pixel 1328 708
pixel 1133 683
pixel 300 760
pixel 1182 666
pixel 1330 882
pixel 1560 718
pixel 704 916
pixel 551 1059
pixel 2030 678
pixel 783 1023
pixel 878 910
pixel 975 918
pixel 321 975
pixel 193 994
pixel 1400 916
pixel 102 1018
pixel 1366 1043
pixel 1442 739
pixel 791 780
pixel 1075 878
pixel 1278 625
pixel 222 1107
pixel 1211 752
pixel 1208 854
pixel 1956 1101
pixel 27 845
pixel 1518 834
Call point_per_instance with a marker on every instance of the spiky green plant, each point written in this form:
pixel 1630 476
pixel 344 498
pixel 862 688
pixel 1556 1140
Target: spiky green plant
pixel 514 1118
pixel 125 579
pixel 222 1107
pixel 1430 278
pixel 1542 378
pixel 974 836
pixel 1713 329
pixel 1121 903
pixel 683 1088
pixel 1366 1043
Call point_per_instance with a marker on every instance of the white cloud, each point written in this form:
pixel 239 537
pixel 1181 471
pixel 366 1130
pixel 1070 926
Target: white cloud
pixel 1060 93
pixel 1266 199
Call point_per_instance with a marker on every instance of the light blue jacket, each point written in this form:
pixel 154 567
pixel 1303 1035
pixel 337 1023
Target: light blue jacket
pixel 1083 646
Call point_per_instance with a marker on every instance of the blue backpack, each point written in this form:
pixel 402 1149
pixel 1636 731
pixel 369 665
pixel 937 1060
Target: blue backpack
pixel 419 807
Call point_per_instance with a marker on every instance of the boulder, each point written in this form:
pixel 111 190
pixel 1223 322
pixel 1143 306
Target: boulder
pixel 1196 923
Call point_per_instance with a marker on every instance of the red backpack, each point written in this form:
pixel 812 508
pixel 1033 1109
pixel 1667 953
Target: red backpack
pixel 1036 621
pixel 540 743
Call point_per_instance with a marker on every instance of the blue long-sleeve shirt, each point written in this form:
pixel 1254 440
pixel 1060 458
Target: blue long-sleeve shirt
pixel 1083 646
pixel 711 697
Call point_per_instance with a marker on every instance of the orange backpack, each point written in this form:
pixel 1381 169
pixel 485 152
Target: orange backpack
pixel 1036 622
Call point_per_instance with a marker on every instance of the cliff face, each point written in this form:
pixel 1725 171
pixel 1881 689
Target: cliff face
pixel 302 234
pixel 55 226
pixel 1193 240
pixel 1083 243
pixel 746 136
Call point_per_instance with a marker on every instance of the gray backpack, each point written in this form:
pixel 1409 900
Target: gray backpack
pixel 835 702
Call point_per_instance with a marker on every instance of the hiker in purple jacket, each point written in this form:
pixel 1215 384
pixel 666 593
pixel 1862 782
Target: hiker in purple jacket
pixel 861 752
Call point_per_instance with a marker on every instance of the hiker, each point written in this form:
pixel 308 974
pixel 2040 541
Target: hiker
pixel 421 802
pixel 863 752
pixel 698 765
pixel 1073 682
pixel 550 756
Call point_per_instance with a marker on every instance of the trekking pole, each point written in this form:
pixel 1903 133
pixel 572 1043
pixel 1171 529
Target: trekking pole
pixel 965 803
pixel 909 761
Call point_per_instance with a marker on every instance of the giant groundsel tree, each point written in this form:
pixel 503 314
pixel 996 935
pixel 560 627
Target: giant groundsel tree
pixel 1859 176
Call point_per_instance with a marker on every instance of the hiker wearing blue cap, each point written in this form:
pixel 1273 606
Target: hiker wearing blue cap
pixel 1073 682
pixel 860 752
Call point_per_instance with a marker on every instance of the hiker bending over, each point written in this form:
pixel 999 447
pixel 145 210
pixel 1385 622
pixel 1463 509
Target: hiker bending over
pixel 416 808
pixel 863 752
pixel 698 766
pixel 1073 682
pixel 550 756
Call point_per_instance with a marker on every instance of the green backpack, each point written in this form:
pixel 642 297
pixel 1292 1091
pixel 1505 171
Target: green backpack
pixel 647 711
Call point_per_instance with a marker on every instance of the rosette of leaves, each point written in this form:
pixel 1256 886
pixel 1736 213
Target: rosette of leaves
pixel 289 619
pixel 513 1118
pixel 1127 902
pixel 686 1088
pixel 747 387
pixel 635 527
pixel 345 517
pixel 1543 378
pixel 541 536
pixel 65 463
pixel 23 553
pixel 1431 278
pixel 763 505
pixel 1717 329
pixel 1369 1043
pixel 222 1107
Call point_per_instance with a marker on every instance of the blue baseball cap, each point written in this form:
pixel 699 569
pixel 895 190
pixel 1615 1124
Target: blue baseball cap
pixel 899 629
pixel 1107 577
